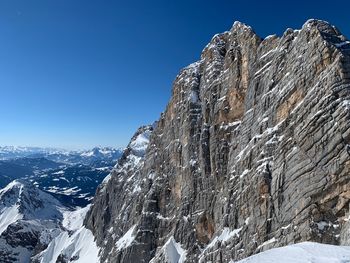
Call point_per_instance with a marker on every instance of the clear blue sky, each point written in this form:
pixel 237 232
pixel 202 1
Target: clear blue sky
pixel 80 73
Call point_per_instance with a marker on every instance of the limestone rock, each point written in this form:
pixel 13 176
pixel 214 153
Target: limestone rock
pixel 252 152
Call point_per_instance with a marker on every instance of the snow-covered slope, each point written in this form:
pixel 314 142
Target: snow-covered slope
pixel 306 252
pixel 31 203
pixel 171 252
pixel 8 215
pixel 74 243
pixel 36 227
pixel 29 219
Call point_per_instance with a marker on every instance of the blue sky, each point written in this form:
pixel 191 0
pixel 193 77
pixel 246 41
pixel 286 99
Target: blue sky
pixel 80 73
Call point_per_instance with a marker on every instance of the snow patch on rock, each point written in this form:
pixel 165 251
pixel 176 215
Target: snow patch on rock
pixel 126 239
pixel 171 252
pixel 174 253
pixel 140 143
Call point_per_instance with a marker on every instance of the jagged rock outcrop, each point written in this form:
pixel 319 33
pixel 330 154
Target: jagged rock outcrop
pixel 252 152
pixel 119 202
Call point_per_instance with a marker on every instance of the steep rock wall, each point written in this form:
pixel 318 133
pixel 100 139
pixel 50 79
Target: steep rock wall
pixel 251 153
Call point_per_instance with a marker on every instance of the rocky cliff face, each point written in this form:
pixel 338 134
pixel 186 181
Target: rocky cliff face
pixel 252 152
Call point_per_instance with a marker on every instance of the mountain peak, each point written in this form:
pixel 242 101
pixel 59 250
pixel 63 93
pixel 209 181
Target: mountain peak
pixel 30 201
pixel 321 25
pixel 258 120
pixel 240 26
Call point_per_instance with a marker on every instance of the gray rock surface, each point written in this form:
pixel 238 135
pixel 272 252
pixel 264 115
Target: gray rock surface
pixel 252 152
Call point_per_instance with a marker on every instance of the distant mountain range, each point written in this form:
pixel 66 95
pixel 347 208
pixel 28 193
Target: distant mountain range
pixel 71 176
pixel 94 157
pixel 41 219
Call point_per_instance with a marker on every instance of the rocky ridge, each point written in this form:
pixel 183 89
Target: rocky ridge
pixel 252 152
pixel 35 227
pixel 29 219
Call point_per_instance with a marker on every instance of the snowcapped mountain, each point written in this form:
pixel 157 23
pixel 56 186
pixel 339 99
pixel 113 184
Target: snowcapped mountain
pixel 10 152
pixel 74 244
pixel 98 152
pixel 29 219
pixel 95 157
pixel 30 201
pixel 36 227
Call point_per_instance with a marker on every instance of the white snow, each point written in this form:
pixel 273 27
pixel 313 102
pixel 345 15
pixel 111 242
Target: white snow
pixel 269 52
pixel 193 97
pixel 9 215
pixel 151 175
pixel 286 227
pixel 174 253
pixel 307 252
pixel 140 143
pixel 126 239
pixel 222 98
pixel 17 196
pixel 245 172
pixel 225 235
pixel 266 66
pixel 268 242
pixel 106 179
pixel 8 207
pixel 11 185
pixel 73 220
pixel 160 217
pixel 67 191
pixel 19 205
pixel 79 243
pixel 342 44
pixel 106 168
pixel 59 172
pixel 88 154
pixel 193 162
pixel 193 65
